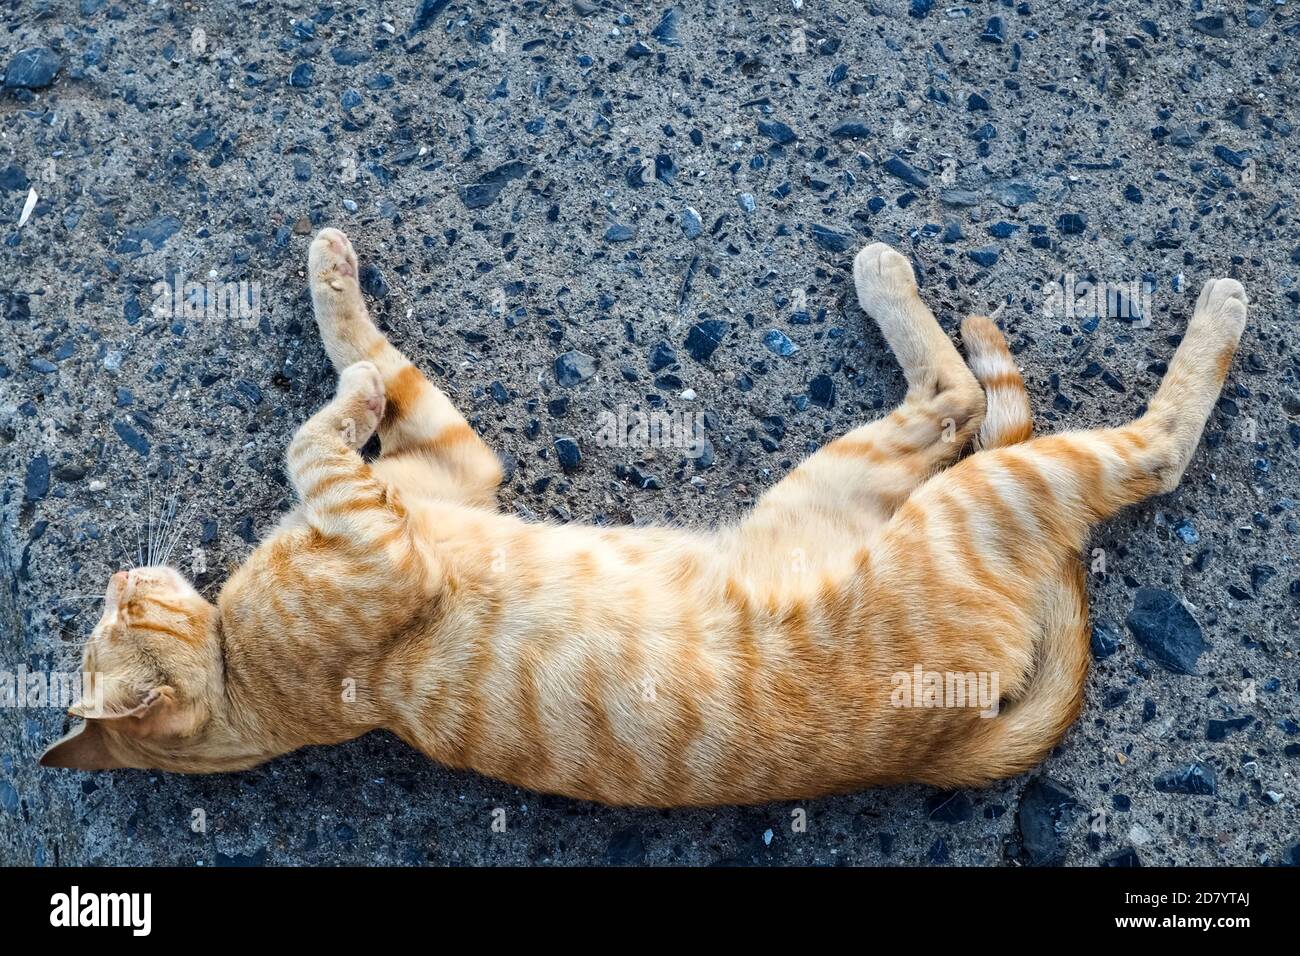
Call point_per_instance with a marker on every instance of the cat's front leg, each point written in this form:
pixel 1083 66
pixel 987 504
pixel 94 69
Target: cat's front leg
pixel 356 410
pixel 326 471
pixel 428 447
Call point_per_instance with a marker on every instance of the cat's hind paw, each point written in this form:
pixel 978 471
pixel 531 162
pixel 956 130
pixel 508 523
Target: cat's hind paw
pixel 1222 307
pixel 883 277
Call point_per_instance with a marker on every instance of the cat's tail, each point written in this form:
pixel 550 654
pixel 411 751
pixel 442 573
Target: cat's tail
pixel 1008 418
pixel 1025 730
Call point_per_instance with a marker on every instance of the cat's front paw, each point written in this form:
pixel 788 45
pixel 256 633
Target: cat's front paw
pixel 361 398
pixel 332 262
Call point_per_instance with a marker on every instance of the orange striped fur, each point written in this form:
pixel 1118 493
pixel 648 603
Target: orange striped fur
pixel 656 666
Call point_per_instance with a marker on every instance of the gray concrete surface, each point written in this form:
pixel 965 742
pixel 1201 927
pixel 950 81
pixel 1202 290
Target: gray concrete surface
pixel 1164 152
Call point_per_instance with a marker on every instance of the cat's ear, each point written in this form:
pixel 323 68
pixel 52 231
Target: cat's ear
pixel 158 715
pixel 84 748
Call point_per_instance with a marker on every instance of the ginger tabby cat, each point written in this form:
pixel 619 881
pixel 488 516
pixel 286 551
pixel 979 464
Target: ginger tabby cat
pixel 655 666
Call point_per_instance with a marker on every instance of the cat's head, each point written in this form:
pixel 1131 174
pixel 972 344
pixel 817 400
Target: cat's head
pixel 154 691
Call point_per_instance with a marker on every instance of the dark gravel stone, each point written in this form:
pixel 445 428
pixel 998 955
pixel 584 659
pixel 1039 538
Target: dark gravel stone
pixel 32 69
pixel 426 13
pixel 691 224
pixel 568 452
pixel 13 179
pixel 949 807
pixel 833 241
pixel 666 31
pixel 1105 639
pixel 571 368
pixel 37 482
pixel 938 853
pixel 134 440
pixel 1013 194
pixel 302 76
pixel 156 232
pixel 704 338
pixel 638 477
pixel 1072 223
pixel 1166 631
pixel 851 129
pixel 777 132
pixel 1126 857
pixel 619 232
pixel 821 391
pixel 345 56
pixel 1211 26
pixel 777 341
pixel 985 257
pixel 1219 729
pixel 899 167
pixel 484 191
pixel 257 858
pixel 626 848
pixel 372 282
pixel 1047 808
pixel 1196 778
pixel 662 356
pixel 965 198
pixel 1185 136
pixel 1231 157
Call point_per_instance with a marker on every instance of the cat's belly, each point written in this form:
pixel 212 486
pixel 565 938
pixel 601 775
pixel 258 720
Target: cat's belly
pixel 736 705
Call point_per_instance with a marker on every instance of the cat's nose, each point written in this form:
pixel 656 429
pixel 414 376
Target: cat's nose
pixel 118 581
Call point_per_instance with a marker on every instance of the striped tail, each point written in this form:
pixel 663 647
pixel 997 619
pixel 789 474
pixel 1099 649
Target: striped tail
pixel 1008 418
pixel 1027 729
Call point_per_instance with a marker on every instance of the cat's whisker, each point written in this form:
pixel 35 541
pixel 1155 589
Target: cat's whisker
pixel 164 522
pixel 76 647
pixel 63 624
pixel 155 524
pixel 117 538
pixel 165 504
pixel 178 518
pixel 149 517
pixel 139 546
pixel 170 520
pixel 182 526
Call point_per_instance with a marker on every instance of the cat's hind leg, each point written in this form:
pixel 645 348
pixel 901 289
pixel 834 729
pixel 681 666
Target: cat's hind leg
pixel 1003 530
pixel 1116 467
pixel 427 444
pixel 859 479
pixel 1034 501
pixel 1191 386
